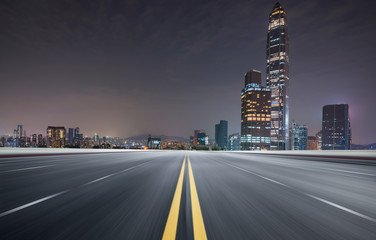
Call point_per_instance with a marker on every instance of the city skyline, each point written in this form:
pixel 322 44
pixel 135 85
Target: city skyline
pixel 82 77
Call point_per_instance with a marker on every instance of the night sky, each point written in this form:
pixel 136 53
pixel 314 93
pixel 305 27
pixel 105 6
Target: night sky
pixel 122 68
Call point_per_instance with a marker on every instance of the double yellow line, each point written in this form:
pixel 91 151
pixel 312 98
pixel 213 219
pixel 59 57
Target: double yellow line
pixel 172 220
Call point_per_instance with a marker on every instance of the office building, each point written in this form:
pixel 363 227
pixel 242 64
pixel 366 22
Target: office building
pixel 200 138
pixel 70 135
pixel 154 143
pixel 336 130
pixel 96 138
pixel 40 141
pixel 255 113
pixel 277 76
pixel 20 131
pixel 77 133
pixel 319 140
pixel 298 136
pixel 221 134
pixel 234 142
pixel 312 143
pixel 55 137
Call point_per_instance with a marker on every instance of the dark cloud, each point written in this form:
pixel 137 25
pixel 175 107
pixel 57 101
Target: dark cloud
pixel 126 67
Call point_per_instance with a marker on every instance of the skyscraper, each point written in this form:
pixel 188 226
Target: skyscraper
pixel 298 136
pixel 277 76
pixel 70 135
pixel 77 133
pixel 96 138
pixel 336 131
pixel 255 113
pixel 55 137
pixel 20 131
pixel 221 134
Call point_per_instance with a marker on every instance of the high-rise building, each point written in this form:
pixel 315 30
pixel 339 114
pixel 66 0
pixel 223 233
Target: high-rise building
pixel 200 138
pixel 20 131
pixel 70 135
pixel 40 140
pixel 96 138
pixel 234 142
pixel 34 140
pixel 312 143
pixel 55 137
pixel 221 134
pixel 336 130
pixel 255 113
pixel 319 140
pixel 298 136
pixel 277 76
pixel 77 133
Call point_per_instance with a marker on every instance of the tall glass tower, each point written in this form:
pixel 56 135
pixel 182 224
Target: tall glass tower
pixel 277 77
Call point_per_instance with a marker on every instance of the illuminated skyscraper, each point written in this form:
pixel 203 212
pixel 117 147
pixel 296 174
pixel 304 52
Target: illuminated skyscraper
pixel 277 76
pixel 55 137
pixel 255 114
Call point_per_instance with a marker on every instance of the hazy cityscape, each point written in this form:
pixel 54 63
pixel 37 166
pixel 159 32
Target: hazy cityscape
pixel 187 120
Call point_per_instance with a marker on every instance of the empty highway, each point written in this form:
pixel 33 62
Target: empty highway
pixel 186 195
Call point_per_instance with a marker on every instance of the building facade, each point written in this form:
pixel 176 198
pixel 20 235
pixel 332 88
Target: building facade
pixel 70 135
pixel 234 142
pixel 298 136
pixel 20 131
pixel 312 143
pixel 154 143
pixel 319 140
pixel 55 137
pixel 277 76
pixel 255 113
pixel 200 138
pixel 336 130
pixel 221 134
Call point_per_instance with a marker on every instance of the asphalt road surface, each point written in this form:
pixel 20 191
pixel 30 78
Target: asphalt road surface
pixel 186 195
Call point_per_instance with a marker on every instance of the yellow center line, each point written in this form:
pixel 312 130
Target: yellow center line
pixel 198 222
pixel 172 220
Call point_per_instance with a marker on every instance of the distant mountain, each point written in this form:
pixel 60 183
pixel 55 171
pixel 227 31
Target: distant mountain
pixel 371 146
pixel 144 137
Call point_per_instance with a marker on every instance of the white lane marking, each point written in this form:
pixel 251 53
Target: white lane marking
pixel 99 179
pixel 125 170
pixel 271 180
pixel 342 208
pixel 24 169
pixel 30 204
pixel 310 195
pixel 57 194
pixel 110 175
